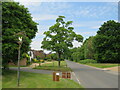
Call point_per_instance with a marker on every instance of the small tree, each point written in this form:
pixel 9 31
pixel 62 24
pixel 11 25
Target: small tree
pixel 60 36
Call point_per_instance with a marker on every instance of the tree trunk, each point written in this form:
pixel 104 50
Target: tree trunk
pixel 59 63
pixel 58 59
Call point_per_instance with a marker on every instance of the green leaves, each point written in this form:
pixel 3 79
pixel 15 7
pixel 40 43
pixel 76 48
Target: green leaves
pixel 15 19
pixel 60 36
pixel 106 42
pixel 79 38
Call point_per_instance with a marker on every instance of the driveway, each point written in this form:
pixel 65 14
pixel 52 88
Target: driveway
pixel 90 77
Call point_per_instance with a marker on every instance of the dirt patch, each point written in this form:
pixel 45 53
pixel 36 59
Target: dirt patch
pixel 37 64
pixel 116 69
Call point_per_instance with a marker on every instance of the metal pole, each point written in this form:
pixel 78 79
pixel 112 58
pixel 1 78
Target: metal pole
pixel 18 75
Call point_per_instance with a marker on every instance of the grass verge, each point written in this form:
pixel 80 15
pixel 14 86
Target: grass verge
pixel 34 80
pixel 101 65
pixel 54 66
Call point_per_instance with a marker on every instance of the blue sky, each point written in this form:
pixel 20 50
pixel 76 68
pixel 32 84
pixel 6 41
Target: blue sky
pixel 87 17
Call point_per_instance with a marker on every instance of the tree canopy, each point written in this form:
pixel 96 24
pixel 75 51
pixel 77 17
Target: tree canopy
pixel 107 42
pixel 15 19
pixel 60 36
pixel 103 47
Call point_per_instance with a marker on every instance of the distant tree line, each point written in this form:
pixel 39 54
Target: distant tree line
pixel 104 47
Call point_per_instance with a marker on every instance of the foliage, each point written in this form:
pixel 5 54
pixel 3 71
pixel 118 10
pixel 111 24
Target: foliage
pixel 104 47
pixel 81 50
pixel 15 19
pixel 42 61
pixel 88 48
pixel 38 57
pixel 107 43
pixel 76 56
pixel 54 56
pixel 87 61
pixel 60 36
pixel 35 60
pixel 85 51
pixel 28 62
pixel 49 59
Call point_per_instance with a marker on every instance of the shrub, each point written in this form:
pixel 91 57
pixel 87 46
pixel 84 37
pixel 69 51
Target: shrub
pixel 87 61
pixel 28 62
pixel 35 60
pixel 48 59
pixel 42 61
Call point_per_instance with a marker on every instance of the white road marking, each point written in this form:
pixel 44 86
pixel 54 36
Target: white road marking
pixel 77 78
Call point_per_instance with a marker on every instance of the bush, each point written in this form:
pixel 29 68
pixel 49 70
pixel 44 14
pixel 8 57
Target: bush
pixel 35 60
pixel 46 58
pixel 28 62
pixel 49 59
pixel 87 61
pixel 42 61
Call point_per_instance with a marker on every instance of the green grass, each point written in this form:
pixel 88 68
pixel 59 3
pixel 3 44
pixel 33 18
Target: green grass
pixel 102 65
pixel 17 66
pixel 35 80
pixel 87 61
pixel 54 66
pixel 0 81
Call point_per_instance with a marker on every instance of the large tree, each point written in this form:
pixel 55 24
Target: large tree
pixel 89 48
pixel 15 18
pixel 107 42
pixel 60 36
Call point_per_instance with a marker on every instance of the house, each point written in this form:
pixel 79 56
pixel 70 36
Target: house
pixel 38 53
pixel 30 53
pixel 33 54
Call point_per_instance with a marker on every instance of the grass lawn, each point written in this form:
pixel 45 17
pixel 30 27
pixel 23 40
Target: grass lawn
pixel 0 81
pixel 35 80
pixel 102 65
pixel 54 66
pixel 16 66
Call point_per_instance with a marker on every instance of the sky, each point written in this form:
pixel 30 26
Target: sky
pixel 87 17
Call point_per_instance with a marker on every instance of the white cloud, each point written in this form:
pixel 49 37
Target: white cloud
pixel 28 3
pixel 58 8
pixel 42 29
pixel 44 17
pixel 36 44
pixel 77 25
pixel 70 0
pixel 95 27
pixel 90 33
pixel 77 44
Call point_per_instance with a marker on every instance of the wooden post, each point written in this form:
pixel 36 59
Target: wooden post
pixel 39 64
pixel 68 75
pixel 57 77
pixel 54 76
pixel 64 75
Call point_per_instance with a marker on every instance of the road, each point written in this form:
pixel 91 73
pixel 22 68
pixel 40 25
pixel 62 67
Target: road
pixel 90 77
pixel 28 69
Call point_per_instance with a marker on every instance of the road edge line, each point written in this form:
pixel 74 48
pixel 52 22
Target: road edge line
pixel 77 78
